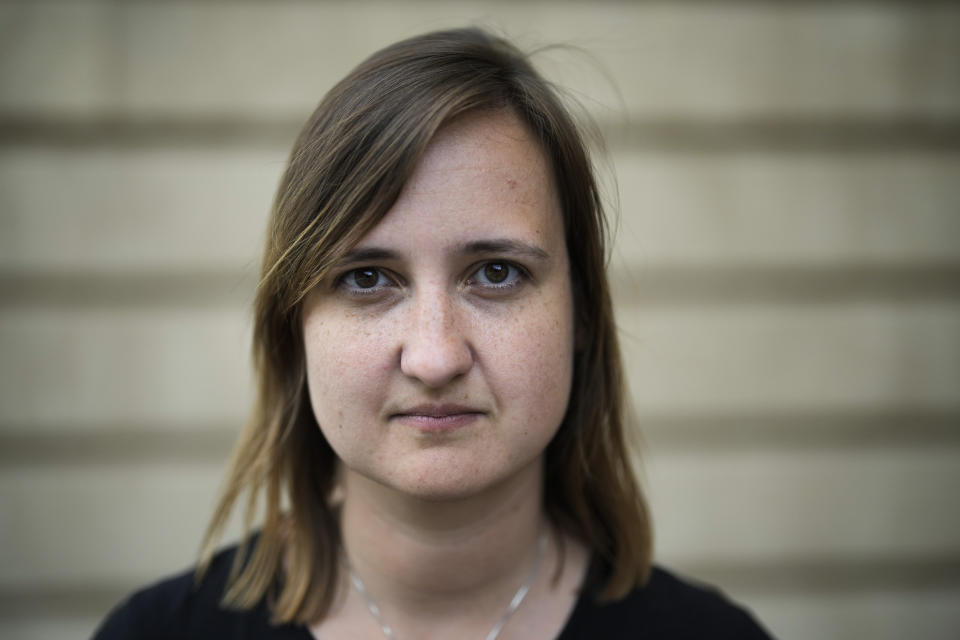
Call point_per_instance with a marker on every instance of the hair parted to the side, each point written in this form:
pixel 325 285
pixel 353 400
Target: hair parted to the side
pixel 346 170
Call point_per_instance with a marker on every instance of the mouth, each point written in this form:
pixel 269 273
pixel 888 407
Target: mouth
pixel 437 417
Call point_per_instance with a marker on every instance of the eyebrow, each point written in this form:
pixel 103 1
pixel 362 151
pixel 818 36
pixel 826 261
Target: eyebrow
pixel 476 247
pixel 369 254
pixel 511 247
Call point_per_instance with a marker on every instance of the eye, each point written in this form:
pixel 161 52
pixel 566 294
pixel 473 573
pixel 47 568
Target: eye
pixel 364 280
pixel 497 275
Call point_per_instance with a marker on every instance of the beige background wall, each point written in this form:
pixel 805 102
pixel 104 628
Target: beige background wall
pixel 787 276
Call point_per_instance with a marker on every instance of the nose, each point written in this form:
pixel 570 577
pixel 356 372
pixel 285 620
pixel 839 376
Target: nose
pixel 436 349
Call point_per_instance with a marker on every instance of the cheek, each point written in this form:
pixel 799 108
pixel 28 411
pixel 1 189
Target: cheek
pixel 345 364
pixel 536 365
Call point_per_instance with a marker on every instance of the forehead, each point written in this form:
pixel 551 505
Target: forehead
pixel 482 173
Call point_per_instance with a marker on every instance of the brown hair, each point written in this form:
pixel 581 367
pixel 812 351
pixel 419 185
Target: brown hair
pixel 346 170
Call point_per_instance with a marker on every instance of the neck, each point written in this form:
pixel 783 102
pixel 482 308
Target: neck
pixel 431 557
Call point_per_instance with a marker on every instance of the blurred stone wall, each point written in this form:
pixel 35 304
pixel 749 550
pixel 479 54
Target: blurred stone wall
pixel 787 278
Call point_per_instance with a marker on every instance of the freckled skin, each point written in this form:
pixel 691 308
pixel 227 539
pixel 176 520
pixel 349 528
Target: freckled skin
pixel 435 335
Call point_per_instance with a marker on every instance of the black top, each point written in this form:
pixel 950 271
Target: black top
pixel 665 608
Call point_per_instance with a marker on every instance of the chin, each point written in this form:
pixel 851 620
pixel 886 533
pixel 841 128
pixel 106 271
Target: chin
pixel 441 480
pixel 435 486
pixel 451 492
pixel 445 474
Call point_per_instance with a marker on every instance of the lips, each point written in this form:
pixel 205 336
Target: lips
pixel 437 417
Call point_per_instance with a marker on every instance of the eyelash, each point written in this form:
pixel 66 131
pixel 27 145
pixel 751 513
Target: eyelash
pixel 516 275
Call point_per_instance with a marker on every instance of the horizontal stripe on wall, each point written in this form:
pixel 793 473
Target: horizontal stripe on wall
pixel 838 575
pixel 765 59
pixel 20 446
pixel 194 209
pixel 820 284
pixel 131 521
pixel 787 134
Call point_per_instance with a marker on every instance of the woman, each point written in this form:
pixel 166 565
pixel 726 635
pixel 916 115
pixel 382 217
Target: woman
pixel 438 438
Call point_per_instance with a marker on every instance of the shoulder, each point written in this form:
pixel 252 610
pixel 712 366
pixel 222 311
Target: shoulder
pixel 665 607
pixel 181 607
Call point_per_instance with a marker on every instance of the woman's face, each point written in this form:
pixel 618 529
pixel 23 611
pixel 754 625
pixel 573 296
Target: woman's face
pixel 440 351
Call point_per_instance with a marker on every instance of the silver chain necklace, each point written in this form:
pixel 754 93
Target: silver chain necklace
pixel 514 603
